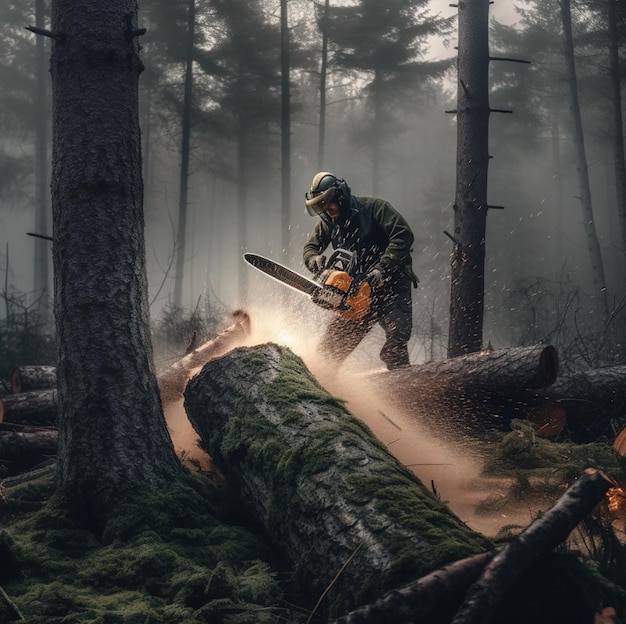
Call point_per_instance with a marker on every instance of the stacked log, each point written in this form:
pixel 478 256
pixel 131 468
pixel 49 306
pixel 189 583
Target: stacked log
pixel 37 407
pixel 29 378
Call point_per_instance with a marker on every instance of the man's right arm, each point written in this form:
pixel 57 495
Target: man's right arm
pixel 320 239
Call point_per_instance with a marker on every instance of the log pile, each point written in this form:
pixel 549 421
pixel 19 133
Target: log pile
pixel 28 402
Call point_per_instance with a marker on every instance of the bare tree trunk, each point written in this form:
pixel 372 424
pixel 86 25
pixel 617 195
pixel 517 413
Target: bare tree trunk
pixel 321 138
pixel 242 209
pixel 470 204
pixel 618 125
pixel 41 284
pixel 285 127
pixel 593 243
pixel 181 238
pixel 113 437
pixel 376 141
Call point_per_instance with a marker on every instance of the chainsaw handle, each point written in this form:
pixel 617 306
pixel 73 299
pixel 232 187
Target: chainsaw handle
pixel 346 260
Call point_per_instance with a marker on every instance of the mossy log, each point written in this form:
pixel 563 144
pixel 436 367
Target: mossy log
pixel 38 407
pixel 172 380
pixel 323 488
pixel 470 392
pixel 29 378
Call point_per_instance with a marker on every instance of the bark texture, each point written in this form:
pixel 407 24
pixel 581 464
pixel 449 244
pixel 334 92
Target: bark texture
pixel 472 161
pixel 29 446
pixel 323 487
pixel 28 378
pixel 470 392
pixel 112 433
pixel 594 402
pixel 32 408
pixel 541 537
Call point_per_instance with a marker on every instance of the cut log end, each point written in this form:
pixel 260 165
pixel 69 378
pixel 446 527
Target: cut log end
pixel 549 364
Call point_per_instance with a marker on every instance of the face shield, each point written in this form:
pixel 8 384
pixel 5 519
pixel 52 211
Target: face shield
pixel 316 202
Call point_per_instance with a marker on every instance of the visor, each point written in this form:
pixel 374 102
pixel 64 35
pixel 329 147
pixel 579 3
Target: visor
pixel 316 202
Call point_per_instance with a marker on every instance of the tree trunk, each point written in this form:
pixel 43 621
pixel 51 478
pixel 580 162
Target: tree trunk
pixel 594 402
pixel 173 380
pixel 41 284
pixel 618 125
pixel 285 130
pixel 469 393
pixel 113 437
pixel 181 236
pixel 593 243
pixel 28 378
pixel 32 408
pixel 326 491
pixel 28 447
pixel 472 160
pixel 321 137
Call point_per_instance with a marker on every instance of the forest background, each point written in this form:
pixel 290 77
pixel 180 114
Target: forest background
pixel 212 116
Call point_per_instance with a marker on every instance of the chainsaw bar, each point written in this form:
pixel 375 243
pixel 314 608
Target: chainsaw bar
pixel 283 274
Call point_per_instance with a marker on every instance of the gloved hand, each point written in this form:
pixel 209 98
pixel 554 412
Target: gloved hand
pixel 316 264
pixel 374 277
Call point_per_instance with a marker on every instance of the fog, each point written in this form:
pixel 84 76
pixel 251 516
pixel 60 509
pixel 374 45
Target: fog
pixel 536 239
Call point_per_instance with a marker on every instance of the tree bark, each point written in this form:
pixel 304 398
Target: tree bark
pixel 472 160
pixel 469 392
pixel 113 437
pixel 594 402
pixel 439 591
pixel 28 378
pixel 516 557
pixel 181 235
pixel 31 408
pixel 325 490
pixel 28 447
pixel 591 235
pixel 173 380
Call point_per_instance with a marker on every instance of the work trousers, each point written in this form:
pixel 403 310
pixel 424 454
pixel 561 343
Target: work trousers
pixel 391 308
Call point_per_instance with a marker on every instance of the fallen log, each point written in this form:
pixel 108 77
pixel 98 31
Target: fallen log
pixel 470 392
pixel 32 408
pixel 28 447
pixel 323 488
pixel 437 592
pixel 593 402
pixel 30 378
pixel 516 557
pixel 172 380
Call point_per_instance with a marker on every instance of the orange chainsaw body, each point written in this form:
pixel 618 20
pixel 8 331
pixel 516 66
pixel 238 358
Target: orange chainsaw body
pixel 355 305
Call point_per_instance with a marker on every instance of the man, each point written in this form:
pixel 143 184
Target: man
pixel 381 239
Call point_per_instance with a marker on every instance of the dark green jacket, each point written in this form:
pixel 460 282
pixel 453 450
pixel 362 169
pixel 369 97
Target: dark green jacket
pixel 373 228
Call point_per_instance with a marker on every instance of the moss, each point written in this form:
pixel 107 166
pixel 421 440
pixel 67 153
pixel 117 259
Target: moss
pixel 163 558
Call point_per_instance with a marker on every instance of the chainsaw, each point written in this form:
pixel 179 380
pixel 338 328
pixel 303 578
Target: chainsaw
pixel 336 288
